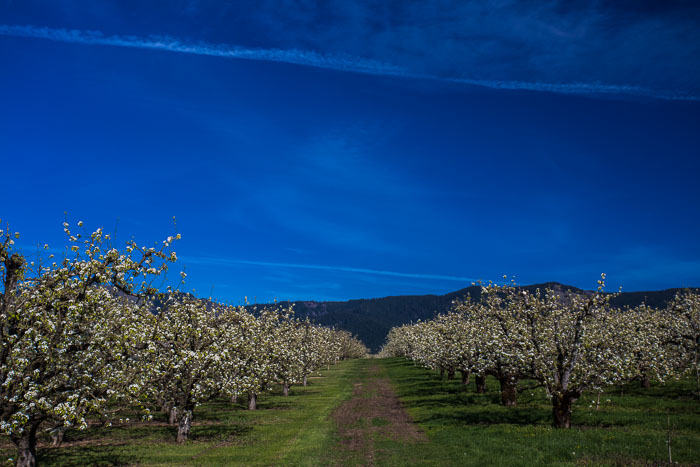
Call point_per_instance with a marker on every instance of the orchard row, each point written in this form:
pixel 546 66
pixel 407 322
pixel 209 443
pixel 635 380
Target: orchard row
pixel 565 342
pixel 89 331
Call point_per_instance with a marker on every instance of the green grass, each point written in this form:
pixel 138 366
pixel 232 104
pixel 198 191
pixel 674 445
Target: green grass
pixel 292 430
pixel 465 428
pixel 462 427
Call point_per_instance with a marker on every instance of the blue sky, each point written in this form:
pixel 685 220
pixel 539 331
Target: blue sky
pixel 353 149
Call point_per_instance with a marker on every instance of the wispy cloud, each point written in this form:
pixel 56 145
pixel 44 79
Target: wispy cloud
pixel 170 44
pixel 310 58
pixel 378 272
pixel 577 88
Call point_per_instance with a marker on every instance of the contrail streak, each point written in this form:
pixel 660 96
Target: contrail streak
pixel 169 44
pixel 378 272
pixel 314 59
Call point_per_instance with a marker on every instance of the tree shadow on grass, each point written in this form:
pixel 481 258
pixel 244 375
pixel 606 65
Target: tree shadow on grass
pixel 296 392
pixel 277 402
pixel 87 455
pixel 672 390
pixel 417 387
pixel 218 432
pixel 524 416
pixel 129 450
pixel 117 433
pixel 480 410
pixel 220 409
pixel 397 362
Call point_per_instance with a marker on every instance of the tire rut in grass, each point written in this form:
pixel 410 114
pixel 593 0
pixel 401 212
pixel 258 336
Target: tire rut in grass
pixel 374 411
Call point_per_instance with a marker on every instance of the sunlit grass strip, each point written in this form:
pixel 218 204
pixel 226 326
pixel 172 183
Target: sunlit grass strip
pixel 292 430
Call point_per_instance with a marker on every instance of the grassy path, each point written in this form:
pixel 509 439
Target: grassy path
pixel 371 418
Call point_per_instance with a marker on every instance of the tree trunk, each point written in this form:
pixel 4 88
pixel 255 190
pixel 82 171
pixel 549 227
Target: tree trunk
pixel 451 374
pixel 465 377
pixel 172 419
pixel 252 401
pixel 697 372
pixel 561 409
pixel 480 384
pixel 442 373
pixel 285 389
pixel 234 398
pixel 26 447
pixel 509 393
pixel 57 435
pixel 304 380
pixel 646 382
pixel 184 425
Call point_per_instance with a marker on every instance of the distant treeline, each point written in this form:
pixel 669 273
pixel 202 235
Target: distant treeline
pixel 371 319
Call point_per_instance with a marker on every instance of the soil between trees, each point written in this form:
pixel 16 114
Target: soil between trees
pixel 374 412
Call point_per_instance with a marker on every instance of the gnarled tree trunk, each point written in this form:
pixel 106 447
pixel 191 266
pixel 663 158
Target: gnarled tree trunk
pixel 465 377
pixel 285 388
pixel 645 381
pixel 172 419
pixel 451 374
pixel 252 401
pixel 480 384
pixel 304 380
pixel 561 408
pixel 57 435
pixel 184 425
pixel 509 392
pixel 26 446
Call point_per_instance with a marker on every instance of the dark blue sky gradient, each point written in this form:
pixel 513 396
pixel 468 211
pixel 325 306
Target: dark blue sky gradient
pixel 298 182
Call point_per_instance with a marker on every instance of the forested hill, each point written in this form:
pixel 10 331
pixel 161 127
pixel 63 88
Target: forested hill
pixel 370 319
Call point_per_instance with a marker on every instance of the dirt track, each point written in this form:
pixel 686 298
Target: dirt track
pixel 374 411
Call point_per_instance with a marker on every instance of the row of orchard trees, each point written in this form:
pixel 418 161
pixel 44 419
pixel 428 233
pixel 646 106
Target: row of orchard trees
pixel 79 335
pixel 566 343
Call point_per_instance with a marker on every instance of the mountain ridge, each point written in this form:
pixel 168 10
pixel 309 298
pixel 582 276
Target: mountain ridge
pixel 371 318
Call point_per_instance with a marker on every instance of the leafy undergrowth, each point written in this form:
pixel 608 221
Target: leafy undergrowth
pixel 292 430
pixel 465 428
